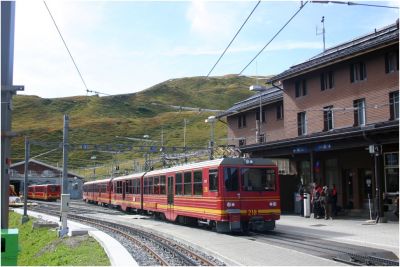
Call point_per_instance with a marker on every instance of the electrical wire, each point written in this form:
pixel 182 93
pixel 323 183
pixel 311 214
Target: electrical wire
pixel 353 4
pixel 294 15
pixel 65 44
pixel 223 53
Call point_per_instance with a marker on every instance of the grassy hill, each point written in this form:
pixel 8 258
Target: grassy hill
pixel 97 120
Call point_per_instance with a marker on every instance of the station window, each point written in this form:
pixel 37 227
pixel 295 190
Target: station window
pixel 391 172
pixel 198 183
pixel 213 180
pixel 162 184
pixel 231 179
pixel 300 88
pixel 187 185
pixel 358 72
pixel 178 184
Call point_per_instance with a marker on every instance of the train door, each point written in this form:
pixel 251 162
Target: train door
pixel 232 197
pixel 170 197
pixel 123 189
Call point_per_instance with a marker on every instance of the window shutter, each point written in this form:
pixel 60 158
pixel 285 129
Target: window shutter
pixel 331 81
pixel 322 82
pixel 325 120
pixel 355 105
pixel 391 106
pixel 304 87
pixel 352 73
pixel 299 124
pixel 240 121
pixel 364 71
pixel 386 63
pixel 244 120
pixel 297 88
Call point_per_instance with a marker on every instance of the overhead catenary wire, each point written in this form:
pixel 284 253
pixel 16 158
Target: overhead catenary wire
pixel 223 53
pixel 294 15
pixel 65 44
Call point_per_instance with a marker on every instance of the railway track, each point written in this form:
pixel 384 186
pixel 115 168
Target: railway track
pixel 163 251
pixel 340 252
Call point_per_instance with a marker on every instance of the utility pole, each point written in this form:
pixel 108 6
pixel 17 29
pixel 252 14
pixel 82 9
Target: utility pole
pixel 25 217
pixel 64 196
pixel 323 31
pixel 7 91
pixel 184 139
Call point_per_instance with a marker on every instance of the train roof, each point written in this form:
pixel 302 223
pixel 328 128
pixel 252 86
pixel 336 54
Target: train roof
pixel 215 162
pixel 42 185
pixel 197 165
pixel 98 181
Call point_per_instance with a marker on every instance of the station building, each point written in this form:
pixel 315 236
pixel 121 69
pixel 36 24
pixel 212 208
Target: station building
pixel 333 119
pixel 42 173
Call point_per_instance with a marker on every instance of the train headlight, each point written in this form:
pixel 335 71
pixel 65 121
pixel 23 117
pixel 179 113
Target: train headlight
pixel 233 204
pixel 273 204
pixel 229 204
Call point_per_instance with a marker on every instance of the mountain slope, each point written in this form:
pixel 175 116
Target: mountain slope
pixel 97 120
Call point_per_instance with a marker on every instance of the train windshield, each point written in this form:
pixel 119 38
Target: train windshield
pixel 53 188
pixel 258 179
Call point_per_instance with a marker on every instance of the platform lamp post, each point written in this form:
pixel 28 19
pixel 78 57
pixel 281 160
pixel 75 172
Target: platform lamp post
pixel 260 89
pixel 211 120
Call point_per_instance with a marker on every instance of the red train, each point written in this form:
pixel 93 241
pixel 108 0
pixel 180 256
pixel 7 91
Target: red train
pixel 44 191
pixel 230 194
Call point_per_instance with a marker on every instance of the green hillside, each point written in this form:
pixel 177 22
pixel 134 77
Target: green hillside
pixel 97 120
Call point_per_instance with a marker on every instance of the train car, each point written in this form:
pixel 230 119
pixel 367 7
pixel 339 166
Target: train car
pixel 44 192
pixel 98 192
pixel 229 194
pixel 126 192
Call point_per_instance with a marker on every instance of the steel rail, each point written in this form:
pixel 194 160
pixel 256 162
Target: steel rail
pixel 176 249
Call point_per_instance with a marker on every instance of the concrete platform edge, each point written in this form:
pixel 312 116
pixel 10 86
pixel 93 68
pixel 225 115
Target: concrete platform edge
pixel 117 254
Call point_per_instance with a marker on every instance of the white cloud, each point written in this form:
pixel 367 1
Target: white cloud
pixel 213 21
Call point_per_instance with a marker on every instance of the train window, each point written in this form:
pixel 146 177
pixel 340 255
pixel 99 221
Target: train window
pixel 213 180
pixel 178 184
pixel 162 185
pixel 258 179
pixel 231 178
pixel 151 188
pixel 157 185
pixel 136 184
pixel 187 185
pixel 129 187
pixel 197 183
pixel 103 188
pixel 118 188
pixel 146 186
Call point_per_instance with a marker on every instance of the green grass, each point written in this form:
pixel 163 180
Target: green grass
pixel 42 247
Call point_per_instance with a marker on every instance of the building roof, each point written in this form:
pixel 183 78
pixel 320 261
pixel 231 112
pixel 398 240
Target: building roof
pixel 271 95
pixel 45 165
pixel 379 38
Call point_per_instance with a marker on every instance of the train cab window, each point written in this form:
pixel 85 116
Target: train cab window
pixel 187 185
pixel 162 184
pixel 198 183
pixel 178 184
pixel 258 179
pixel 231 179
pixel 213 180
pixel 157 185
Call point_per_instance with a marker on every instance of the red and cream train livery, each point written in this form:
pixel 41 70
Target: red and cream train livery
pixel 44 191
pixel 230 194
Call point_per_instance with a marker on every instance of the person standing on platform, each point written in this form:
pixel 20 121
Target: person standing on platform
pixel 326 202
pixel 334 200
pixel 301 197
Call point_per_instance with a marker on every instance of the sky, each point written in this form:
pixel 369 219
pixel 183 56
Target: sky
pixel 122 47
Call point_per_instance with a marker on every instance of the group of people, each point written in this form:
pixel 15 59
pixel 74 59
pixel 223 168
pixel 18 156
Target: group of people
pixel 323 200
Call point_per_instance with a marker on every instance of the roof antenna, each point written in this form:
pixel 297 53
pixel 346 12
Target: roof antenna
pixel 323 31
